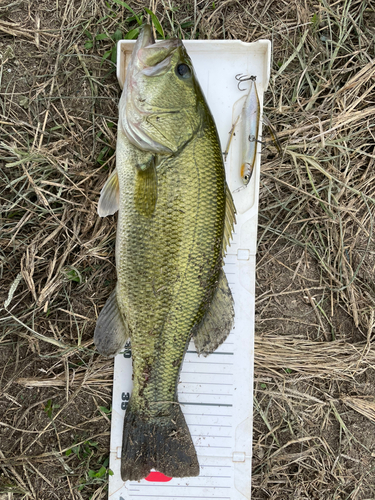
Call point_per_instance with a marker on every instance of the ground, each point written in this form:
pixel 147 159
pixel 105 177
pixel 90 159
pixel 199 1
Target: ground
pixel 314 399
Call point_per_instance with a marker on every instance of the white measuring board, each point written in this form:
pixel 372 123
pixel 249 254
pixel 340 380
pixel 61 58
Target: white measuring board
pixel 215 392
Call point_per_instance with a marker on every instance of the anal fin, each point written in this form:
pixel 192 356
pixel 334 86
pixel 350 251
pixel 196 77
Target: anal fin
pixel 218 320
pixel 111 332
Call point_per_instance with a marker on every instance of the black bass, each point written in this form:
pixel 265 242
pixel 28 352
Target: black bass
pixel 175 219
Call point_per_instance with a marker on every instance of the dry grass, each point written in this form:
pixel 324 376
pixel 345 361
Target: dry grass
pixel 314 387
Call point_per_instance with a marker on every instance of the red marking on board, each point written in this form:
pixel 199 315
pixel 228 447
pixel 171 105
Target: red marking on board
pixel 157 477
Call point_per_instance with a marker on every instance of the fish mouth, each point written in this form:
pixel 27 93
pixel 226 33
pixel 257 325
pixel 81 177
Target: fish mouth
pixel 156 56
pixel 149 59
pixel 145 38
pixel 152 58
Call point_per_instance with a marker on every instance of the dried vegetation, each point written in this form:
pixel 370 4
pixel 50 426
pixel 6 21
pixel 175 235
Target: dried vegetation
pixel 314 357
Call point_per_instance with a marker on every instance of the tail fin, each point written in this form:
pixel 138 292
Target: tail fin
pixel 163 443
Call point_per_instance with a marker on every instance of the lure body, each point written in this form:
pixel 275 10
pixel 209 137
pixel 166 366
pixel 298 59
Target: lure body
pixel 249 135
pixel 249 117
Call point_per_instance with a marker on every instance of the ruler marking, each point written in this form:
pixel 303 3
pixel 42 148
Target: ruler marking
pixel 218 477
pixel 182 486
pixel 216 466
pixel 206 394
pixel 203 415
pixel 215 353
pixel 210 425
pixel 225 343
pixel 205 383
pixel 208 363
pixel 205 373
pixel 203 404
pixel 216 447
pixel 209 436
pixel 180 496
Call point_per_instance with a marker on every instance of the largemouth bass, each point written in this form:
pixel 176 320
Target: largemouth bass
pixel 175 219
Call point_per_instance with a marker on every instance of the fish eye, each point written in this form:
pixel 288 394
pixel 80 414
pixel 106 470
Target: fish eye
pixel 246 177
pixel 183 71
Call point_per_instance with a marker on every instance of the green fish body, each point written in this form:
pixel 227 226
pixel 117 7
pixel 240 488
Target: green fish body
pixel 175 218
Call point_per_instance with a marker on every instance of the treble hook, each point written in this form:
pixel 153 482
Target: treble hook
pixel 243 78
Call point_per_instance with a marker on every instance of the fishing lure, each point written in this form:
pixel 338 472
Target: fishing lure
pixel 250 131
pixel 250 116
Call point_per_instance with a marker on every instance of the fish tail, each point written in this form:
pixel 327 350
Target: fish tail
pixel 162 443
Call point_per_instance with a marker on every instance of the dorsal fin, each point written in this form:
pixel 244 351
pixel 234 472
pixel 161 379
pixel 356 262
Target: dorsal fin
pixel 230 219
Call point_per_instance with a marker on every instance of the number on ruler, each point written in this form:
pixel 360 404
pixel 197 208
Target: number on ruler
pixel 125 396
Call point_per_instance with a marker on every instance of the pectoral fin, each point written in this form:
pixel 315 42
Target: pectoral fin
pixel 111 332
pixel 146 189
pixel 218 321
pixel 109 196
pixel 230 219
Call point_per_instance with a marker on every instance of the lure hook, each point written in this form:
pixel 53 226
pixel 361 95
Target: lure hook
pixel 243 78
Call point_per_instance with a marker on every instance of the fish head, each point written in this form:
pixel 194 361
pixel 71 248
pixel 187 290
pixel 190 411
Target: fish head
pixel 159 108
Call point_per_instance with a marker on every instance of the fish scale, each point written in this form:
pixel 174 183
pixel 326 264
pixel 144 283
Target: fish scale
pixel 170 241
